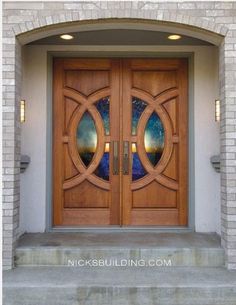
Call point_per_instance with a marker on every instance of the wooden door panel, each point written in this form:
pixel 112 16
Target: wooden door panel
pixel 70 170
pixel 150 217
pixel 171 107
pixel 153 82
pixel 155 126
pixel 86 95
pixel 87 82
pixel 154 195
pixel 171 170
pixel 86 195
pixel 86 217
pixel 71 106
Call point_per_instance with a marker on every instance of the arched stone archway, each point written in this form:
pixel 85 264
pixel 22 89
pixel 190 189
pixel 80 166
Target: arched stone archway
pixel 197 28
pixel 42 20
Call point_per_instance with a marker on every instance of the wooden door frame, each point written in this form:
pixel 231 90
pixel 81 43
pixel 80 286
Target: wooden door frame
pixel 49 212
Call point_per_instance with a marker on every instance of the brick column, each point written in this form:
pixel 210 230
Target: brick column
pixel 228 146
pixel 11 145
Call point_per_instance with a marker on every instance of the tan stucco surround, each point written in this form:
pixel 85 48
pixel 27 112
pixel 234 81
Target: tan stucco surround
pixel 24 22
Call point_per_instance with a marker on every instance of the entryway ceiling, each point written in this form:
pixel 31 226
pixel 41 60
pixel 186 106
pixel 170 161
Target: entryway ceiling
pixel 120 37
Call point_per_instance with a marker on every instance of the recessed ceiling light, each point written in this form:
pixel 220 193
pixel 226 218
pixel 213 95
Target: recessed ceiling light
pixel 174 37
pixel 66 37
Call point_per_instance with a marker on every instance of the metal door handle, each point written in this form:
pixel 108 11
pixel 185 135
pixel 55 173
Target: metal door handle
pixel 115 158
pixel 126 158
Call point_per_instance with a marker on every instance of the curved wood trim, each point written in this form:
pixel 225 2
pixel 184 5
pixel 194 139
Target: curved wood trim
pixel 140 139
pixel 81 177
pixel 96 96
pixel 167 182
pixel 86 105
pixel 159 99
pixel 99 182
pixel 73 143
pixel 70 183
pixel 75 95
pixel 76 117
pixel 160 110
pixel 143 95
pixel 166 96
pixel 86 173
pixel 175 139
pixel 168 146
pixel 142 182
pixel 154 105
pixel 163 180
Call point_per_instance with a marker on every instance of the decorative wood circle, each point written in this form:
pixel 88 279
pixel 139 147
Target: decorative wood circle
pixel 86 104
pixel 155 105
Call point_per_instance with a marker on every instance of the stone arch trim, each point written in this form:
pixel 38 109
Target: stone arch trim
pixel 148 15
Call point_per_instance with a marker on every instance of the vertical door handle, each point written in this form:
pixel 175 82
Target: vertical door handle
pixel 125 157
pixel 115 158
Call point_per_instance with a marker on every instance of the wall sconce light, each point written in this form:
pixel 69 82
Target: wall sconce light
pixel 217 110
pixel 22 111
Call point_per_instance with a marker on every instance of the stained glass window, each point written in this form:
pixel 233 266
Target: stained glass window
pixel 102 170
pixel 154 138
pixel 138 171
pixel 103 107
pixel 86 138
pixel 138 107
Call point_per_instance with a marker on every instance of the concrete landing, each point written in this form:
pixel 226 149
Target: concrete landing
pixel 120 240
pixel 119 286
pixel 56 249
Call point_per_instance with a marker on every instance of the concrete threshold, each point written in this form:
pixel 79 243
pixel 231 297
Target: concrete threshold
pixel 120 240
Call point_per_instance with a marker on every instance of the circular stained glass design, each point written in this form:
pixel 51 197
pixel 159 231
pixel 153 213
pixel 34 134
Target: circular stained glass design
pixel 154 138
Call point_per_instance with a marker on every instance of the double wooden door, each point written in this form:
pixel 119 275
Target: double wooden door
pixel 120 142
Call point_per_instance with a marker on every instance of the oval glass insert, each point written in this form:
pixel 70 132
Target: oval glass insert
pixel 154 138
pixel 86 138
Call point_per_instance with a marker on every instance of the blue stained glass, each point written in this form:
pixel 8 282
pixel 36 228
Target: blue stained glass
pixel 102 171
pixel 86 138
pixel 138 171
pixel 103 107
pixel 154 138
pixel 138 107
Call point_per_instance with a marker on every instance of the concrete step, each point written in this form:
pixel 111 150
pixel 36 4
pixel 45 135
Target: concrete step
pixel 59 249
pixel 119 286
